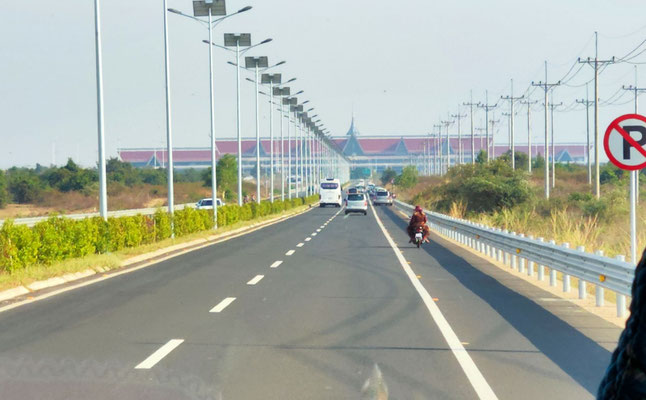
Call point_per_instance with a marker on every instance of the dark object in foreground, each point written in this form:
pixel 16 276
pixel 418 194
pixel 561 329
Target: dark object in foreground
pixel 625 377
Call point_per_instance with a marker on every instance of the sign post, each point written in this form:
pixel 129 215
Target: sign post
pixel 625 145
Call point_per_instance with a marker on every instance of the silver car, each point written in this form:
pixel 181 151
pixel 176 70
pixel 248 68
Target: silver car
pixel 357 203
pixel 383 197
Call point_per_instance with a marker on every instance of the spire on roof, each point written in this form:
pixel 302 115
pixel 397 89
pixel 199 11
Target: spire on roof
pixel 353 130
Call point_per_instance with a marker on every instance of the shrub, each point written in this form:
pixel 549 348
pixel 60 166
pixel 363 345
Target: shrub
pixel 408 178
pixel 4 194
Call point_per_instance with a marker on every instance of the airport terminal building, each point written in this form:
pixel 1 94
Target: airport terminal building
pixel 375 152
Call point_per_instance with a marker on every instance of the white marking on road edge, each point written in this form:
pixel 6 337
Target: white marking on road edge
pixel 162 352
pixel 255 279
pixel 307 239
pixel 222 305
pixel 300 244
pixel 478 382
pixel 275 264
pixel 289 253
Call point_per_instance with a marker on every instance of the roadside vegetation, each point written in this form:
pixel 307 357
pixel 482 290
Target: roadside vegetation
pixel 57 240
pixel 496 195
pixel 26 192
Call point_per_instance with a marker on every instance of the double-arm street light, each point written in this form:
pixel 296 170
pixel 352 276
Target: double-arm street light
pixel 282 92
pixel 271 80
pixel 238 41
pixel 206 8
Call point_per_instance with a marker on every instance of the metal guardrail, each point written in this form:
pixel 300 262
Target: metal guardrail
pixel 31 221
pixel 523 253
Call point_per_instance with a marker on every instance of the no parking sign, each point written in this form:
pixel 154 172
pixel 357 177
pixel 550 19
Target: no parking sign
pixel 625 142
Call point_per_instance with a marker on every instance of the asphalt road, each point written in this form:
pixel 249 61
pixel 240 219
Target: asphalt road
pixel 242 319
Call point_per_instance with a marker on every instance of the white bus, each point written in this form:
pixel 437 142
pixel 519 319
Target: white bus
pixel 331 193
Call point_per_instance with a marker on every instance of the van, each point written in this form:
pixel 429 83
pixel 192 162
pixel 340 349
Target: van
pixel 331 193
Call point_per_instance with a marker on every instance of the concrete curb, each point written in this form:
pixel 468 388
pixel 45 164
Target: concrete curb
pixel 152 257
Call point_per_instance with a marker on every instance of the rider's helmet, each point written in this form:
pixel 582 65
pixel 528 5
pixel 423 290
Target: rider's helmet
pixel 418 209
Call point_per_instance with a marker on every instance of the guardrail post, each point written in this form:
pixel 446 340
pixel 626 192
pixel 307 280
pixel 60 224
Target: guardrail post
pixel 521 260
pixel 530 264
pixel 499 251
pixel 514 259
pixel 566 277
pixel 621 299
pixel 505 255
pixel 599 291
pixel 552 270
pixel 582 285
pixel 541 267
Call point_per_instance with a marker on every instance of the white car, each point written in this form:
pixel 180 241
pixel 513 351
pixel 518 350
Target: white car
pixel 383 197
pixel 207 204
pixel 356 202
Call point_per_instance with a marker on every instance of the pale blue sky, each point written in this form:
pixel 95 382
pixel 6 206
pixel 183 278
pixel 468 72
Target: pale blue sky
pixel 402 65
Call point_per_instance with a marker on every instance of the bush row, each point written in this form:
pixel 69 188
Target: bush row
pixel 58 239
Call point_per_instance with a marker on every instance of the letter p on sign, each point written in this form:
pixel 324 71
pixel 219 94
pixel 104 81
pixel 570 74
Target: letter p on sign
pixel 625 142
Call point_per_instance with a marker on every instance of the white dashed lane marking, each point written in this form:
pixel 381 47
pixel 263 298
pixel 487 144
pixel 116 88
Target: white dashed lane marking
pixel 162 352
pixel 275 264
pixel 255 280
pixel 289 253
pixel 308 239
pixel 300 244
pixel 222 305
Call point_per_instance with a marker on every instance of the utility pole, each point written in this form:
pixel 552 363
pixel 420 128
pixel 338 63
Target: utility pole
pixel 493 123
pixel 458 117
pixel 487 107
pixel 512 99
pixel 529 133
pixel 473 139
pixel 438 149
pixel 587 104
pixel 552 107
pixel 596 63
pixel 546 87
pixel 448 143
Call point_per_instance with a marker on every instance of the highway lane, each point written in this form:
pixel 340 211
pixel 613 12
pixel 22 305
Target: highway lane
pixel 311 327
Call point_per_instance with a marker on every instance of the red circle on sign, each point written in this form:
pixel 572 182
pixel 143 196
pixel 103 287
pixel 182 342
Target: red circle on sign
pixel 606 146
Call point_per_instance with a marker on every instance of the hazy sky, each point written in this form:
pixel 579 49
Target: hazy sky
pixel 401 65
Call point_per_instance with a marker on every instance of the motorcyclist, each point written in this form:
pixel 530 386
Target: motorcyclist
pixel 418 219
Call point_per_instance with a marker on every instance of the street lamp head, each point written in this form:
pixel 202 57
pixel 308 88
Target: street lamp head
pixel 309 109
pixel 266 41
pixel 174 11
pixel 299 92
pixel 247 8
pixel 231 63
pixel 291 80
pixel 280 63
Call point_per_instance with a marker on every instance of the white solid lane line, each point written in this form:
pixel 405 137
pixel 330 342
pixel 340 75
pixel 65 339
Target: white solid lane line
pixel 275 264
pixel 222 305
pixel 469 367
pixel 255 279
pixel 300 244
pixel 289 253
pixel 307 239
pixel 157 356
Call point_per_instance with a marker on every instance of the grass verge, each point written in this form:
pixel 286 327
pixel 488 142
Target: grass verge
pixel 109 261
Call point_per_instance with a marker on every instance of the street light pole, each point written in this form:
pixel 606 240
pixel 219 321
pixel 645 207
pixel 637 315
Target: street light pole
pixel 169 135
pixel 103 192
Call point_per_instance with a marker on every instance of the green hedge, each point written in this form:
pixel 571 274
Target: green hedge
pixel 58 239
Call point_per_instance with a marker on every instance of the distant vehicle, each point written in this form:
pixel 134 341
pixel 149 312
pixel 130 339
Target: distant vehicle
pixel 207 204
pixel 352 190
pixel 383 197
pixel 361 188
pixel 331 193
pixel 356 203
pixel 295 179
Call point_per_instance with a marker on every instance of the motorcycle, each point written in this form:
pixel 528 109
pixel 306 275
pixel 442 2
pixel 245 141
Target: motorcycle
pixel 419 236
